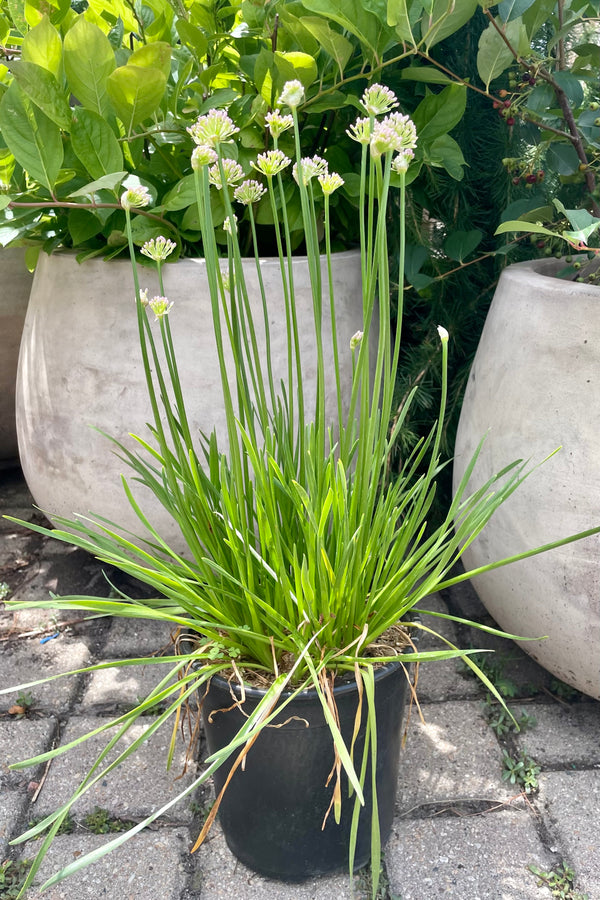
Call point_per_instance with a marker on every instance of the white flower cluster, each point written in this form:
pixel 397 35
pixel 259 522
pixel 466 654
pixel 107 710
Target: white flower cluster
pixel 395 133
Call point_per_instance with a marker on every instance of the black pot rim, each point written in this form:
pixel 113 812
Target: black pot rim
pixel 308 696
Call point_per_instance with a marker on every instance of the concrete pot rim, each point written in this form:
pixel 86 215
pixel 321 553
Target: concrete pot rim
pixel 541 274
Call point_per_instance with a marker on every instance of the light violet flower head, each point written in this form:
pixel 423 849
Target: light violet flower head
pixel 292 94
pixel 249 191
pixel 378 100
pixel 402 161
pixel 312 167
pixel 271 162
pixel 136 197
pixel 277 123
pixel 160 306
pixel 213 128
pixel 158 248
pixel 330 182
pixel 355 340
pixel 360 131
pixel 203 155
pixel 232 171
pixel 228 226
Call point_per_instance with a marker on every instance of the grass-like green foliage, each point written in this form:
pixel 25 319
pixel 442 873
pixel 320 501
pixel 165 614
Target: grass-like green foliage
pixel 300 546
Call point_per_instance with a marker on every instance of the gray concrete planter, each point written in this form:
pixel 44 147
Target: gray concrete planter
pixel 535 384
pixel 15 285
pixel 80 368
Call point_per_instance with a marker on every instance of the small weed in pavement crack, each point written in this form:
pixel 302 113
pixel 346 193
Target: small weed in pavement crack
pixel 559 881
pixel 100 821
pixel 521 770
pixel 12 877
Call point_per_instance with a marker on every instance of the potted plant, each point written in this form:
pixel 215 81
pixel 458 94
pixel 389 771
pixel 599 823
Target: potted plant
pixel 303 552
pixel 532 383
pixel 70 163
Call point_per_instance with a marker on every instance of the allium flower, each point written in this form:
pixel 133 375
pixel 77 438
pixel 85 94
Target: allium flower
pixel 160 306
pixel 395 132
pixel 356 339
pixel 231 169
pixel 444 336
pixel 249 191
pixel 136 197
pixel 214 128
pixel 404 128
pixel 203 155
pixel 158 248
pixel 277 124
pixel 312 167
pixel 330 182
pixel 378 100
pixel 383 139
pixel 292 94
pixel 144 297
pixel 271 162
pixel 360 131
pixel 227 224
pixel 401 162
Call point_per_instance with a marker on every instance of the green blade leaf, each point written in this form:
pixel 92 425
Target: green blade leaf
pixel 135 92
pixel 89 60
pixel 95 144
pixel 32 138
pixel 43 89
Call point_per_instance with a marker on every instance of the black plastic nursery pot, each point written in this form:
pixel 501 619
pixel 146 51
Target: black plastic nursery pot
pixel 272 811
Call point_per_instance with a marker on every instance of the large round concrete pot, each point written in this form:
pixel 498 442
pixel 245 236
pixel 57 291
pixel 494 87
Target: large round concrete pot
pixel 535 384
pixel 15 285
pixel 80 368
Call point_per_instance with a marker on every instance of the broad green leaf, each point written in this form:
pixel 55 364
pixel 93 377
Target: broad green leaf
pixel 89 59
pixel 572 87
pixel 512 9
pixel 403 16
pixel 32 138
pixel 333 43
pixel 82 225
pixel 43 46
pixel 542 98
pixel 581 221
pixel 460 244
pixel 353 16
pixel 538 15
pixel 116 9
pixel 182 195
pixel 493 56
pixel 95 143
pixel 43 89
pixel 144 229
pixel 428 74
pixel 153 56
pixel 192 37
pixel 265 75
pixel 438 114
pixel 16 11
pixel 4 200
pixel 445 153
pixel 330 100
pixel 534 227
pixel 587 126
pixel 135 93
pixel 303 65
pixel 35 10
pixel 107 183
pixel 447 16
pixel 562 158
